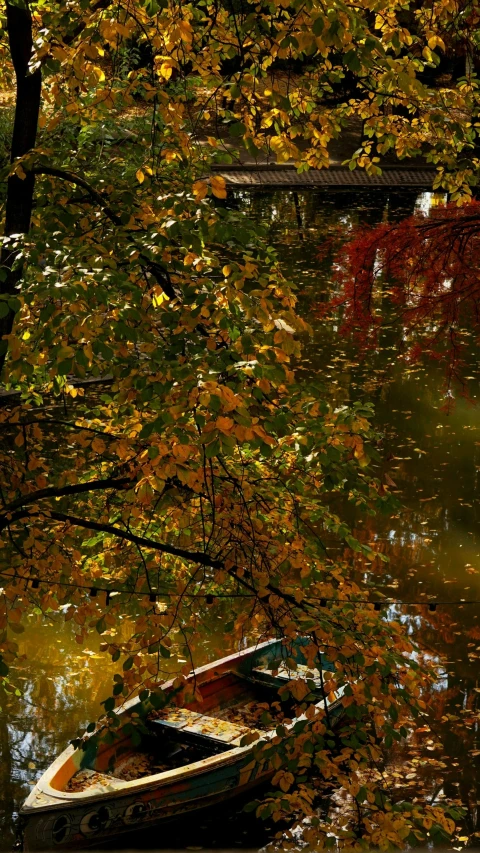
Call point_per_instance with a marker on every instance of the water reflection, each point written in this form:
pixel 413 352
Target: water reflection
pixel 62 685
pixel 433 460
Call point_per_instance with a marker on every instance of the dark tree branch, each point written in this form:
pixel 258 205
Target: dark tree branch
pixel 78 488
pixel 19 202
pixel 199 557
pixel 194 556
pixel 72 178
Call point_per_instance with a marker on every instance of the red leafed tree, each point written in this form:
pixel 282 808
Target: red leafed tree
pixel 422 274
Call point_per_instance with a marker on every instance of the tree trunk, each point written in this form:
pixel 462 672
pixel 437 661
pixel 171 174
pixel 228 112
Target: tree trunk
pixel 19 192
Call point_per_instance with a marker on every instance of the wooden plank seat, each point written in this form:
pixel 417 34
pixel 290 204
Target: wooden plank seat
pixel 182 723
pixel 264 675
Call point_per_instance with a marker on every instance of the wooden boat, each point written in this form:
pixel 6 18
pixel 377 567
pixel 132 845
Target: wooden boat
pixel 193 757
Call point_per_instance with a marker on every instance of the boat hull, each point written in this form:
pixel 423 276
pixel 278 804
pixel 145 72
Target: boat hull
pixel 91 824
pixel 52 818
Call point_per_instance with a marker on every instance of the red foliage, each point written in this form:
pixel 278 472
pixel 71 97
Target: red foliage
pixel 422 274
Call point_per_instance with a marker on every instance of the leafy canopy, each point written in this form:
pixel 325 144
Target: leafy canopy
pixel 155 437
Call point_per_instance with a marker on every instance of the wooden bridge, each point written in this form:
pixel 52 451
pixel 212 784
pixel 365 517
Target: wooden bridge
pixel 248 177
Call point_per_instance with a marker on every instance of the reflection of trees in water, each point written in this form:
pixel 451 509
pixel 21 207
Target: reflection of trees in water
pixel 7 781
pixel 458 740
pixel 317 207
pixel 432 538
pixel 62 688
pixel 454 707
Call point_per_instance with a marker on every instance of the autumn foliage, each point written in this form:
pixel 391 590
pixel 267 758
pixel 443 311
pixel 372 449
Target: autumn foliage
pixel 156 442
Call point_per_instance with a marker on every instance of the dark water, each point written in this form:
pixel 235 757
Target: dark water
pixel 431 451
pixel 432 540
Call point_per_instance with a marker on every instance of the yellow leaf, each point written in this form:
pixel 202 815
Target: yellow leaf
pixel 436 41
pixel 284 779
pixel 140 176
pixel 364 460
pixel 229 399
pixel 299 689
pixel 218 186
pixel 166 70
pixel 283 148
pixel 186 31
pixel 182 451
pixel 88 351
pixel 200 189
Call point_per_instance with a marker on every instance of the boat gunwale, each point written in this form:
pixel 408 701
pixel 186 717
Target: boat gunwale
pixel 155 780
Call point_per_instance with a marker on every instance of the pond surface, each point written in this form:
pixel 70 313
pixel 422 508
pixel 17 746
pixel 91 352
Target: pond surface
pixel 433 542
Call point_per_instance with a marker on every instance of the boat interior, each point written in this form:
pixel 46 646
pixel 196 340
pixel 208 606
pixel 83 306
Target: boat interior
pixel 233 707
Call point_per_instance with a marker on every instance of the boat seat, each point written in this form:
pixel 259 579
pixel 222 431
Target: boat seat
pixel 264 675
pixel 94 781
pixel 190 722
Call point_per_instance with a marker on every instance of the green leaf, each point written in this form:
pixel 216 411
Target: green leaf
pixel 237 129
pixel 352 61
pixel 213 449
